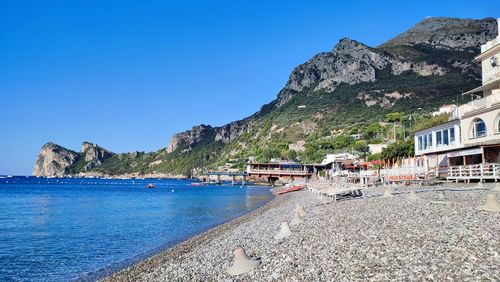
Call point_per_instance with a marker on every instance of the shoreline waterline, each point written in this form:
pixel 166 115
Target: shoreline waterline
pixel 191 243
pixel 369 238
pixel 62 229
pixel 177 247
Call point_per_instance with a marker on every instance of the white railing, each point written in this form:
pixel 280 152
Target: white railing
pixel 367 173
pixel 493 99
pixel 476 171
pixel 403 172
pixel 478 104
pixel 277 171
pixel 474 105
pixel 491 75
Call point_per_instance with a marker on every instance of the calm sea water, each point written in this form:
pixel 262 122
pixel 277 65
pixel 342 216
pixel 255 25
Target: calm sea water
pixel 61 229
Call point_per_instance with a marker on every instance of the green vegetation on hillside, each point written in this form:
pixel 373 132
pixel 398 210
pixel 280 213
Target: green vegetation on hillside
pixel 347 119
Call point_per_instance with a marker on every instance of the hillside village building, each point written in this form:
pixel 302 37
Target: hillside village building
pixel 468 145
pixel 445 109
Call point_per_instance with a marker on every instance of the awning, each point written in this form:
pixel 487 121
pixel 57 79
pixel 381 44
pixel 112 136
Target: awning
pixel 475 151
pixel 490 85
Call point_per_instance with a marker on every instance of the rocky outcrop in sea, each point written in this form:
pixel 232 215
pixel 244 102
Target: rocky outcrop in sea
pixel 53 160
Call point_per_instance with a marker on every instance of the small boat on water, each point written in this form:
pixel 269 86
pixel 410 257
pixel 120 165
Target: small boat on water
pixel 151 186
pixel 197 184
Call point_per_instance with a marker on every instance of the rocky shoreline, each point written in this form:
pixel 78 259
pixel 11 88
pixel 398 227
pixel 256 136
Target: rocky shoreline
pixel 371 238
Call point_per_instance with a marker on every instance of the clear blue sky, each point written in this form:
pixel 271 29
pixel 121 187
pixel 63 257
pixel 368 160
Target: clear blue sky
pixel 128 74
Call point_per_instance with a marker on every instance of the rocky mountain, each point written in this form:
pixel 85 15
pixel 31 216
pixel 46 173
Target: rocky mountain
pixel 350 62
pixel 190 137
pixel 447 33
pixel 93 155
pixel 342 90
pixel 55 160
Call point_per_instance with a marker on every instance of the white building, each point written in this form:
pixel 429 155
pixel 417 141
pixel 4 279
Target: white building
pixel 376 148
pixel 445 109
pixel 436 142
pixel 468 146
pixel 331 158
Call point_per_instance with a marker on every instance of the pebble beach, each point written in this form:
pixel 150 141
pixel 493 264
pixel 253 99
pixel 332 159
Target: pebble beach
pixel 368 238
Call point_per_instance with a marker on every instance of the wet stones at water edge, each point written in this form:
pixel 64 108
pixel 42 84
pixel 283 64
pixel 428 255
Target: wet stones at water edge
pixel 242 263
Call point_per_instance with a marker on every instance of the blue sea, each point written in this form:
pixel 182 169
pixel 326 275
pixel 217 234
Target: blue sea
pixel 60 229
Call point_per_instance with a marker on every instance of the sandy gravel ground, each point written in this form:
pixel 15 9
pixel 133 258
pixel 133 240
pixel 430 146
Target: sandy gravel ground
pixel 371 238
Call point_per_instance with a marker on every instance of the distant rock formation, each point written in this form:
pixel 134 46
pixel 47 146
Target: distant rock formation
pixel 430 63
pixel 53 160
pixel 352 62
pixel 93 155
pixel 230 131
pixel 443 32
pixel 189 137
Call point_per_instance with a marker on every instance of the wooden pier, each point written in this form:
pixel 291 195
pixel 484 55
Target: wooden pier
pixel 232 174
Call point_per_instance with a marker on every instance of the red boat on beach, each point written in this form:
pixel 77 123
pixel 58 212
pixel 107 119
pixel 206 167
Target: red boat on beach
pixel 291 189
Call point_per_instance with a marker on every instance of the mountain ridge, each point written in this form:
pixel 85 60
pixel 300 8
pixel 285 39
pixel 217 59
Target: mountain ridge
pixel 353 83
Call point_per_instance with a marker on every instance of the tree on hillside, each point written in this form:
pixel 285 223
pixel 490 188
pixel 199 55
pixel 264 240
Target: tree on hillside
pixel 399 149
pixel 428 121
pixel 395 117
pixel 342 142
pixel 372 131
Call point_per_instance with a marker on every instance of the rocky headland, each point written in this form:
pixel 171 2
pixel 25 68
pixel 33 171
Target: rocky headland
pixel 424 67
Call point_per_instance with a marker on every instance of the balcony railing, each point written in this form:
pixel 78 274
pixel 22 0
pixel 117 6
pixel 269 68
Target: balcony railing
pixel 491 75
pixel 476 171
pixel 278 171
pixel 482 103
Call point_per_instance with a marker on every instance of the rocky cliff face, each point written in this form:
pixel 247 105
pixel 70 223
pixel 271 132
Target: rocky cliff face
pixel 443 32
pixel 231 131
pixel 93 155
pixel 189 137
pixel 53 160
pixel 428 64
pixel 225 134
pixel 352 62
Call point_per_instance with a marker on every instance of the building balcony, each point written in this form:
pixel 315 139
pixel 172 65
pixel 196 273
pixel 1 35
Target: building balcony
pixel 480 104
pixel 491 75
pixel 476 171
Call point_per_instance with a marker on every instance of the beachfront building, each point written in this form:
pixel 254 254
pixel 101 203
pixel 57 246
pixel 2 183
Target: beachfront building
pixel 436 143
pixel 272 172
pixel 341 165
pixel 471 148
